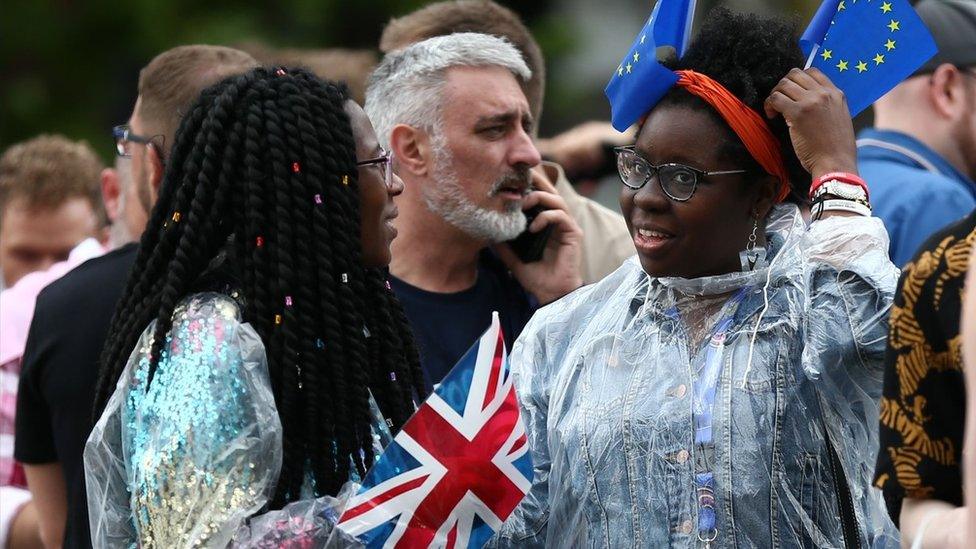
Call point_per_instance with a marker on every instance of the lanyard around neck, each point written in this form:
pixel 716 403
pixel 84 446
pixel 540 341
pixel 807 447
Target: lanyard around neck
pixel 703 390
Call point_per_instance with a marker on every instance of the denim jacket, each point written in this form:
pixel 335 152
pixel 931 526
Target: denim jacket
pixel 606 375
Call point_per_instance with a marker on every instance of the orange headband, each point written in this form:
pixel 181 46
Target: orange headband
pixel 745 122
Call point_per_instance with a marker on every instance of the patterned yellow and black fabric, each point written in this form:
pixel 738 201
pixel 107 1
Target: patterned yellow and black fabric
pixel 924 400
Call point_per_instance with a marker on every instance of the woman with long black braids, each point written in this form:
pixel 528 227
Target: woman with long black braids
pixel 257 326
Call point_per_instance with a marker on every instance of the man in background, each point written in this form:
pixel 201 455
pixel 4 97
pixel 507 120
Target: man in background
pixel 452 111
pixel 60 364
pixel 49 202
pixel 606 241
pixel 49 210
pixel 919 159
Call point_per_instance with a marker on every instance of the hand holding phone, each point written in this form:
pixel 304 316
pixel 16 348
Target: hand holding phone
pixel 529 246
pixel 557 243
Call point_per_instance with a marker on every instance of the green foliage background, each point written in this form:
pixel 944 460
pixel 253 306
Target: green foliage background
pixel 71 66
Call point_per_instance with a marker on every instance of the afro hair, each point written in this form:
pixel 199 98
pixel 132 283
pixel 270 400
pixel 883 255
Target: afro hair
pixel 749 55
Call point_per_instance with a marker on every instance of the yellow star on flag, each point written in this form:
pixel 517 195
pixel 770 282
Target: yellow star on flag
pixel 893 25
pixel 620 70
pixel 636 56
pixel 885 7
pixel 878 59
pixel 643 36
pixel 861 66
pixel 890 45
pixel 629 66
pixel 842 66
pixel 841 6
pixel 827 54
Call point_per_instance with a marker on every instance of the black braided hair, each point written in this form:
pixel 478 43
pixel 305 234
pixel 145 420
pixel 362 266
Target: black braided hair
pixel 748 54
pixel 247 162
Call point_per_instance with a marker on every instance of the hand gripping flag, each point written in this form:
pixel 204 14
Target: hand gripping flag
pixel 866 47
pixel 458 467
pixel 639 81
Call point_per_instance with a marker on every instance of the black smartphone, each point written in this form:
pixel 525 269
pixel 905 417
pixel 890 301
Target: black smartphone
pixel 530 246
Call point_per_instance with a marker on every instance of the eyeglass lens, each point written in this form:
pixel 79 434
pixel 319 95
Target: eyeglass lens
pixel 676 181
pixel 121 133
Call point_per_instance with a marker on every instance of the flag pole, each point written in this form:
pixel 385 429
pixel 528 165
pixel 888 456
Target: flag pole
pixel 810 58
pixel 688 24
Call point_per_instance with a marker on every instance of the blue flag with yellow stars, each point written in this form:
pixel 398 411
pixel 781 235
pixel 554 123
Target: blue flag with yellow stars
pixel 818 27
pixel 639 81
pixel 868 47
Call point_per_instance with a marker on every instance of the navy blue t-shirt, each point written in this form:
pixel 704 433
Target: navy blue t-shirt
pixel 446 325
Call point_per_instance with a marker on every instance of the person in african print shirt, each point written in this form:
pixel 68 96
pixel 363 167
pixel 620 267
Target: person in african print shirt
pixel 923 405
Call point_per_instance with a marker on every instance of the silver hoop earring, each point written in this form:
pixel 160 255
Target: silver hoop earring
pixel 753 257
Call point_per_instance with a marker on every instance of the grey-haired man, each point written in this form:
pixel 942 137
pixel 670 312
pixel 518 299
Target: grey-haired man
pixel 452 111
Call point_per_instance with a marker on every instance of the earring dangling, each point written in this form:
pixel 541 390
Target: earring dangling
pixel 753 257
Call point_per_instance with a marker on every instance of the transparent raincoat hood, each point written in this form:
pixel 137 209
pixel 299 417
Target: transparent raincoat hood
pixel 606 379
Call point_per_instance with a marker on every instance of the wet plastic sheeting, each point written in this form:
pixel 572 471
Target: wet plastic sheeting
pixel 194 461
pixel 606 377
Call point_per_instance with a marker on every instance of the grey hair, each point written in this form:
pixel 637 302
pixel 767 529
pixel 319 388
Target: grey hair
pixel 406 86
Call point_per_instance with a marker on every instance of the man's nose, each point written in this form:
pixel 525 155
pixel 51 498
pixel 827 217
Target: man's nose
pixel 524 151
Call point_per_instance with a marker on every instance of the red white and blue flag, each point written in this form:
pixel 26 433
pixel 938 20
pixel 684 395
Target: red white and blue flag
pixel 458 467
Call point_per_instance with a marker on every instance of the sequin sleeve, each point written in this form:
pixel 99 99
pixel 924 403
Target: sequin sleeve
pixel 186 462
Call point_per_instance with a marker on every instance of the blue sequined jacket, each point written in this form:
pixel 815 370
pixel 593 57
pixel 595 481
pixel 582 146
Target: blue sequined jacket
pixel 193 461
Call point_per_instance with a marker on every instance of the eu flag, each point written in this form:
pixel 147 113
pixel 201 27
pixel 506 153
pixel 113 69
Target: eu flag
pixel 639 81
pixel 868 47
pixel 818 27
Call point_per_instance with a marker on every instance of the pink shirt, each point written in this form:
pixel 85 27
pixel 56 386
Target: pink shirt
pixel 16 311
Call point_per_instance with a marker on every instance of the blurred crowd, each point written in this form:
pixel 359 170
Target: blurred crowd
pixel 472 213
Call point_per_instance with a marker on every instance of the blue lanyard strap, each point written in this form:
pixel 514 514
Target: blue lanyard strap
pixel 704 401
pixel 704 386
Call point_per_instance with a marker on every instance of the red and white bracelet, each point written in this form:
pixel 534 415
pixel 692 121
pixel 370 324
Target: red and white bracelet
pixel 844 185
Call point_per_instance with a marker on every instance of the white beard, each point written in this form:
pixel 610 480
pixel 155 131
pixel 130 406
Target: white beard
pixel 448 199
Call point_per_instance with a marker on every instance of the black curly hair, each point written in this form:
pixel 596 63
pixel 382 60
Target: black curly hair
pixel 231 191
pixel 749 55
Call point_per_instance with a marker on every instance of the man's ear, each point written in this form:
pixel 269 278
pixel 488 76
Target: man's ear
pixel 946 91
pixel 155 167
pixel 412 150
pixel 111 193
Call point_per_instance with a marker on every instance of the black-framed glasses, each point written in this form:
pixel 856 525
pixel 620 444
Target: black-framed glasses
pixel 677 180
pixel 386 159
pixel 123 136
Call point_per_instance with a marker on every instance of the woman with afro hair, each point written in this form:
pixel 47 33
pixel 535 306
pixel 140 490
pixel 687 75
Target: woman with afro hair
pixel 257 359
pixel 720 389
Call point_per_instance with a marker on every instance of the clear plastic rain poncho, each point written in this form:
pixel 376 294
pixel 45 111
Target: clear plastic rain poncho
pixel 737 410
pixel 193 461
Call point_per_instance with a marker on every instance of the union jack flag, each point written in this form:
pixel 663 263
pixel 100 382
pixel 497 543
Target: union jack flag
pixel 458 467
